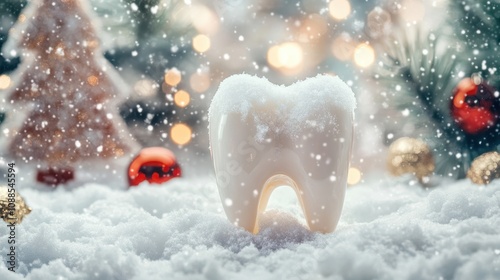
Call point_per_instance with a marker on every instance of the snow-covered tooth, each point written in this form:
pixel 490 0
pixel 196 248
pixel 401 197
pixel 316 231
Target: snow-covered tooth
pixel 263 136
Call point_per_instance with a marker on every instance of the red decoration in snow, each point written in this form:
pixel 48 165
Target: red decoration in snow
pixel 475 105
pixel 156 165
pixel 55 176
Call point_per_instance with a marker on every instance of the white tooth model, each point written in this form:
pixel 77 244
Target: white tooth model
pixel 263 136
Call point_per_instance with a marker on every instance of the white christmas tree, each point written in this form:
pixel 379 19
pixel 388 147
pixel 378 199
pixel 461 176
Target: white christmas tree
pixel 67 89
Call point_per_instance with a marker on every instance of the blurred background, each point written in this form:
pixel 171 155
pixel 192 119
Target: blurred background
pixel 174 54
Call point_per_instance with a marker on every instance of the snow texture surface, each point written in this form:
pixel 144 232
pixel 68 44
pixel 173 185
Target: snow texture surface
pixel 309 103
pixel 388 230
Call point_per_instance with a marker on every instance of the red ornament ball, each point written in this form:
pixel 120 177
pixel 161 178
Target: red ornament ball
pixel 475 105
pixel 155 165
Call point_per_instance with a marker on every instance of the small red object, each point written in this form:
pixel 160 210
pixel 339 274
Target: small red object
pixel 475 105
pixel 156 165
pixel 55 176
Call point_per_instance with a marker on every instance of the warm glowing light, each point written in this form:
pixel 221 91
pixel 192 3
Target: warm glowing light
pixel 290 55
pixel 181 98
pixel 412 10
pixel 201 43
pixel 287 55
pixel 173 77
pixel 364 55
pixel 145 87
pixel 339 9
pixel 343 47
pixel 4 81
pixel 181 134
pixel 273 56
pixel 204 19
pixel 93 80
pixel 22 17
pixel 200 82
pixel 354 176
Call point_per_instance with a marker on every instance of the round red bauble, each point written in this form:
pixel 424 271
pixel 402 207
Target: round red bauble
pixel 475 105
pixel 155 165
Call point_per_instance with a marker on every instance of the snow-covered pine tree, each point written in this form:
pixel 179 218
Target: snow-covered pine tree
pixel 66 88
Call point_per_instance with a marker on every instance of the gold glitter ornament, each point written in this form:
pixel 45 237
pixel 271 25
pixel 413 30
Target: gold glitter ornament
pixel 15 212
pixel 485 168
pixel 410 155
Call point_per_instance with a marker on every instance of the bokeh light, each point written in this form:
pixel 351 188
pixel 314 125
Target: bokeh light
pixel 181 98
pixel 4 82
pixel 181 134
pixel 204 19
pixel 273 56
pixel 145 87
pixel 290 54
pixel 201 43
pixel 200 82
pixel 364 55
pixel 93 80
pixel 339 9
pixel 354 176
pixel 287 55
pixel 173 77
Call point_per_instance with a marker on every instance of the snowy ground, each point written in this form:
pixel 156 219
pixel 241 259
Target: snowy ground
pixel 388 230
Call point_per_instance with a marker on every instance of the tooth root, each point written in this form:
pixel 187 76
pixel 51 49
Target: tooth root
pixel 322 210
pixel 237 194
pixel 241 204
pixel 324 190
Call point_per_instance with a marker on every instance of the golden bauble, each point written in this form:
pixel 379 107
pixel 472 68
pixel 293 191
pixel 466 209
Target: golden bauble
pixel 15 212
pixel 485 168
pixel 410 156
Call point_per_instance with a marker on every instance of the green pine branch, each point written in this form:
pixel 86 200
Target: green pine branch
pixel 420 77
pixel 476 24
